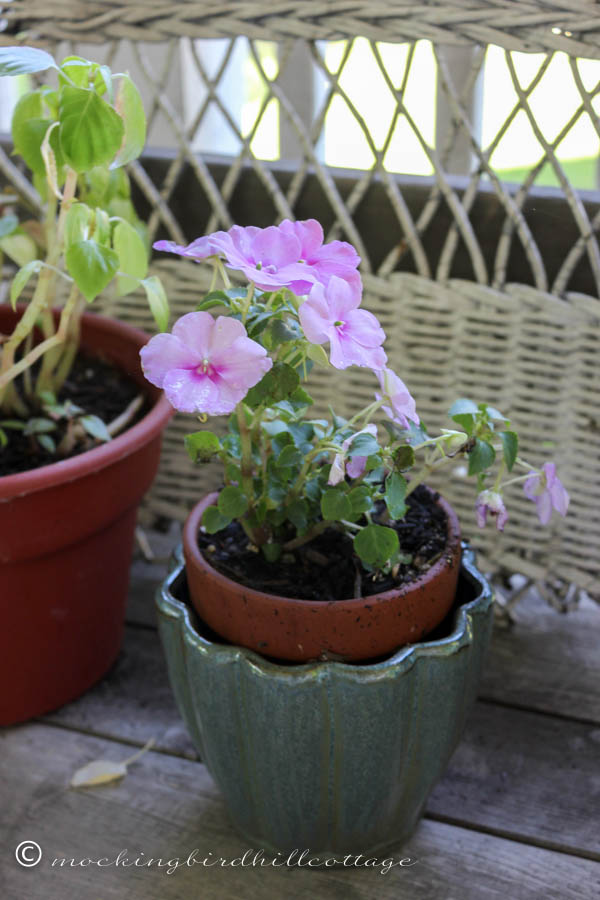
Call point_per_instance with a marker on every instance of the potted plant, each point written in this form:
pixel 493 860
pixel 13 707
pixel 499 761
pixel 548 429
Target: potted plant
pixel 79 430
pixel 329 668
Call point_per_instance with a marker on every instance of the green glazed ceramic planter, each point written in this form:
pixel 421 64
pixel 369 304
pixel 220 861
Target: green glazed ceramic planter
pixel 330 757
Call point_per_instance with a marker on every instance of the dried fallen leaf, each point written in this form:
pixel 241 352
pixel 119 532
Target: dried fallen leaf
pixel 100 771
pixel 103 771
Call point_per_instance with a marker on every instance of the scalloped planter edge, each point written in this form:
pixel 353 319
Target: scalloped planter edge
pixel 333 757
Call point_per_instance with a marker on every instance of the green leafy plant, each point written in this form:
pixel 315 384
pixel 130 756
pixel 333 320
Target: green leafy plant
pixel 290 475
pixel 76 138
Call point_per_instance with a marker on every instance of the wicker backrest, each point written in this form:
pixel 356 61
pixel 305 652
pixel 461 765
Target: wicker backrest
pixel 471 298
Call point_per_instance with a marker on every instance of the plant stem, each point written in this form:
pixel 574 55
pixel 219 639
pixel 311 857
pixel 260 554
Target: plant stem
pixel 426 471
pixel 46 345
pixel 39 304
pixel 310 534
pixel 125 417
pixel 69 351
pixel 246 460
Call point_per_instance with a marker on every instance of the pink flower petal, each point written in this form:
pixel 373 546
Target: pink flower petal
pixel 201 248
pixel 544 507
pixel 196 330
pixel 356 466
pixel 246 365
pixel 314 316
pixel 365 328
pixel 560 497
pixel 164 352
pixel 225 331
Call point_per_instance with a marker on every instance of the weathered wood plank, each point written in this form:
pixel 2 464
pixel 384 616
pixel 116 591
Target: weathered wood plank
pixel 134 701
pixel 515 773
pixel 526 776
pixel 547 661
pixel 167 807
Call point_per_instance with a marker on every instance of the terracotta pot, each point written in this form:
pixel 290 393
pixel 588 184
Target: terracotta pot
pixel 299 630
pixel 66 536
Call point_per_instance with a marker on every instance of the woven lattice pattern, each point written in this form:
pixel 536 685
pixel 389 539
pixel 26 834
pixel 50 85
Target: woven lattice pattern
pixel 530 347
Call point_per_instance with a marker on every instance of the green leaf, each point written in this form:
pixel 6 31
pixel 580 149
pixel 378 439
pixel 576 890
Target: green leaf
pixel 133 257
pixel 22 60
pixel 129 106
pixel 300 398
pixel 39 425
pixel 318 355
pixel 29 126
pixel 414 435
pixel 212 299
pixel 90 130
pixel 232 502
pixel 213 520
pixel 395 495
pixel 96 427
pixel 20 247
pixel 77 223
pixel 7 225
pixel 45 441
pixel 466 422
pixel 510 447
pixel 102 228
pixel 281 332
pixel 297 513
pixel 289 456
pixel 92 266
pixel 335 505
pixel 202 445
pixel 493 413
pixel 463 406
pixel 404 458
pixel 376 544
pixel 157 301
pixel 360 500
pixel 276 385
pixel 76 69
pixel 21 279
pixel 363 445
pixel 481 457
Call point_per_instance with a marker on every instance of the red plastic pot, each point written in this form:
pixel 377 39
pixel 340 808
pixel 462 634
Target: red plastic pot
pixel 66 537
pixel 300 630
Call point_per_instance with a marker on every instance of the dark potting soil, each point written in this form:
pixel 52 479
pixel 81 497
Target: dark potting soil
pixel 95 385
pixel 327 568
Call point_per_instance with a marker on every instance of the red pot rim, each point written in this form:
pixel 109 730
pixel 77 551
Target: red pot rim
pixel 192 550
pixel 106 454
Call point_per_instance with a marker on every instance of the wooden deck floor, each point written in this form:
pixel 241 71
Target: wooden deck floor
pixel 517 814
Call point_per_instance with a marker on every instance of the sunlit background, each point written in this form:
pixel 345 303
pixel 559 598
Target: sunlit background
pixel 362 118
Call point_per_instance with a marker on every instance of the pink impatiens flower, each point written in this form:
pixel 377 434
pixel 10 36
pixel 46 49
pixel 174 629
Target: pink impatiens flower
pixel 548 493
pixel 401 404
pixel 199 249
pixel 491 502
pixel 205 365
pixel 290 255
pixel 323 260
pixel 354 467
pixel 355 336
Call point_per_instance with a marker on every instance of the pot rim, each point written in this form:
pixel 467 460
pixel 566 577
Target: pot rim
pixel 461 634
pixel 190 542
pixel 100 457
